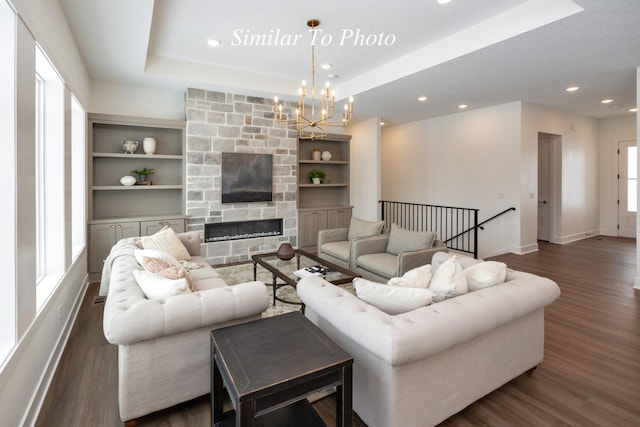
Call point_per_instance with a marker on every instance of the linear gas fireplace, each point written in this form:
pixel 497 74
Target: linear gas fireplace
pixel 223 231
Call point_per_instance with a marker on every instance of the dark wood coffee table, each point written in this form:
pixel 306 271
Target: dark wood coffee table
pixel 284 270
pixel 270 366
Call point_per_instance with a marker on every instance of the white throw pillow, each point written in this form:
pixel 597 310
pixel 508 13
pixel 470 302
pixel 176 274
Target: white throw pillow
pixel 391 299
pixel 158 287
pixel 448 280
pixel 485 274
pixel 418 277
pixel 166 240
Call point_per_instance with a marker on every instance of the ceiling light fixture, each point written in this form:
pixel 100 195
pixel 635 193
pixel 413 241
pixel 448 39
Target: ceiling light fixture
pixel 313 124
pixel 422 98
pixel 633 110
pixel 326 66
pixel 572 88
pixel 607 101
pixel 214 42
pixel 462 106
pixel 443 1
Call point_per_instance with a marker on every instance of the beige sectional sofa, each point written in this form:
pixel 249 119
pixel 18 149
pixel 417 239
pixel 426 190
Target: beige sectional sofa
pixel 164 347
pixel 420 367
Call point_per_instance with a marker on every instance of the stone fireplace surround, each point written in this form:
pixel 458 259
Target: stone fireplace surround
pixel 223 122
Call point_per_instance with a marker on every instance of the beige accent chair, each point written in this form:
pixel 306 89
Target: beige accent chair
pixel 390 255
pixel 334 245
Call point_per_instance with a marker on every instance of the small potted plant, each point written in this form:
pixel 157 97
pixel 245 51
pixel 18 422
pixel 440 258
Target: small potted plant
pixel 143 173
pixel 316 176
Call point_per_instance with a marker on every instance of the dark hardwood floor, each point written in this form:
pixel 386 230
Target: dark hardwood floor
pixel 590 375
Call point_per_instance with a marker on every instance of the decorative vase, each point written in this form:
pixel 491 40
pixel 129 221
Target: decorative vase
pixel 129 147
pixel 149 145
pixel 316 154
pixel 127 180
pixel 326 155
pixel 316 180
pixel 285 252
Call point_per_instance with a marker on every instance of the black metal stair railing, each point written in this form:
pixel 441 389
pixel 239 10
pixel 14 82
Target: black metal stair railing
pixel 457 227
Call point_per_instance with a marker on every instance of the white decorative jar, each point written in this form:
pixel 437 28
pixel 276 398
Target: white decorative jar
pixel 129 147
pixel 149 145
pixel 127 180
pixel 326 155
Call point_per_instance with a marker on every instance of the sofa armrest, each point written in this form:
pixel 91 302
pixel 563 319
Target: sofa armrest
pixel 191 241
pixel 332 235
pixel 130 317
pixel 412 259
pixel 369 245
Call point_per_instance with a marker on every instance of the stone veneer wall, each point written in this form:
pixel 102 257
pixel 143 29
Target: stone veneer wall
pixel 223 122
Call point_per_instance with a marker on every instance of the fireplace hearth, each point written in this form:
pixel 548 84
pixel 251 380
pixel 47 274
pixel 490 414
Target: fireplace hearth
pixel 238 230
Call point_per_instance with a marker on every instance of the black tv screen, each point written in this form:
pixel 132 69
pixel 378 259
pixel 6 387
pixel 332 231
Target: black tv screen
pixel 247 177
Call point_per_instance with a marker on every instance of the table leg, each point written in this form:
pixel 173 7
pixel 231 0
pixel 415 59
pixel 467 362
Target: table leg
pixel 255 271
pixel 216 390
pixel 275 286
pixel 246 413
pixel 344 399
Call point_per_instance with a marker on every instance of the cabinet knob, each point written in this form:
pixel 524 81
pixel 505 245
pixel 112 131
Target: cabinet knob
pixel 113 226
pixel 119 226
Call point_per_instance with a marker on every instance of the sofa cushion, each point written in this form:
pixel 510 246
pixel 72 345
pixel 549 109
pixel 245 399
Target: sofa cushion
pixel 391 299
pixel 485 274
pixel 362 228
pixel 166 240
pixel 338 250
pixel 140 254
pixel 204 272
pixel 401 240
pixel 418 277
pixel 448 280
pixel 159 288
pixel 382 264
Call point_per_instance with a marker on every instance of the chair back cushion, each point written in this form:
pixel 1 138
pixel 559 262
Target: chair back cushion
pixel 401 240
pixel 362 228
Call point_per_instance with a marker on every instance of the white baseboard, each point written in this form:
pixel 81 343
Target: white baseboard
pixel 637 283
pixel 578 236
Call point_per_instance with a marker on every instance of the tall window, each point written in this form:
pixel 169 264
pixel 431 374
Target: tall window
pixel 78 178
pixel 40 181
pixel 50 174
pixel 8 179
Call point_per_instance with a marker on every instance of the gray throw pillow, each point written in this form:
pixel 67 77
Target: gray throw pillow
pixel 361 228
pixel 401 240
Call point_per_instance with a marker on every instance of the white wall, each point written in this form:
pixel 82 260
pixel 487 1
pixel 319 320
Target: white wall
pixel 637 280
pixel 136 101
pixel 611 132
pixel 40 335
pixel 579 211
pixel 465 160
pixel 365 168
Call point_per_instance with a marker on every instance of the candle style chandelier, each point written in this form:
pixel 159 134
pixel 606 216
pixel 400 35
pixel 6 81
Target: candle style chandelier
pixel 312 123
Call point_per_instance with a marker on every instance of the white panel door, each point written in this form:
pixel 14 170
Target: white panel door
pixel 544 188
pixel 627 188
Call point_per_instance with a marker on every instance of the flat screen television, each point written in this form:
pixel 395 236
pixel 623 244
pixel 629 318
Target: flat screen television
pixel 247 177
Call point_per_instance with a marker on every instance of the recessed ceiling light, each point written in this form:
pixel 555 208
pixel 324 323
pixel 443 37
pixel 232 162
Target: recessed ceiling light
pixel 326 66
pixel 572 88
pixel 214 42
pixel 332 76
pixel 633 110
pixel 381 123
pixel 607 101
pixel 422 98
pixel 443 1
pixel 462 106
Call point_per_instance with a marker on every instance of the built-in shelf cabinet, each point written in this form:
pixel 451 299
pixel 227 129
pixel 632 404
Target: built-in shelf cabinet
pixel 326 205
pixel 117 211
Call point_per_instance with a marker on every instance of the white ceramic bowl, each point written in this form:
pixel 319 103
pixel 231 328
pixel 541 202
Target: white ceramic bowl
pixel 127 180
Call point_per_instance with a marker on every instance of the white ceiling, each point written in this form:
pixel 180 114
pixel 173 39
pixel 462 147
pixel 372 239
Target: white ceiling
pixel 476 52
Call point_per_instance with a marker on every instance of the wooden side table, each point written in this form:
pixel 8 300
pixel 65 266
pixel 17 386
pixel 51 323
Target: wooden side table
pixel 270 366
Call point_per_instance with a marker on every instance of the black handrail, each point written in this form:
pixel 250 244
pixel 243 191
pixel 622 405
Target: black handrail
pixel 480 226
